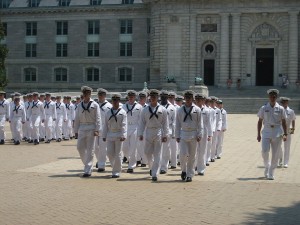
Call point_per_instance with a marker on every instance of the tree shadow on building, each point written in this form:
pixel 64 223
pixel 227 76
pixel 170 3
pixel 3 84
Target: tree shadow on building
pixel 276 215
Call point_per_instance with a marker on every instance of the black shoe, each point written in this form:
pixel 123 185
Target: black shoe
pixel 53 139
pixel 115 176
pixel 219 157
pixel 138 163
pixel 124 160
pixel 71 138
pixel 24 139
pixel 36 142
pixel 2 142
pixel 143 165
pixel 154 178
pixel 30 141
pixel 183 175
pixel 163 172
pixel 17 143
pixel 212 160
pixel 173 167
pixel 207 164
pixel 96 165
pixel 76 138
pixel 150 172
pixel 42 139
pixel 101 170
pixel 58 140
pixel 129 170
pixel 196 168
pixel 178 164
pixel 201 173
pixel 188 179
pixel 86 175
pixel 47 141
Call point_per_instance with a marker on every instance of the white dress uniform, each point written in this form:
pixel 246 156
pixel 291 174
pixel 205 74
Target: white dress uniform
pixel 217 133
pixel 202 145
pixel 213 127
pixel 140 148
pixel 27 126
pixel 17 118
pixel 271 135
pixel 115 128
pixel 166 146
pixel 174 145
pixel 189 126
pixel 87 121
pixel 154 121
pixel 50 112
pixel 4 115
pixel 11 105
pixel 101 146
pixel 42 127
pixel 61 114
pixel 130 144
pixel 287 144
pixel 36 114
pixel 219 145
pixel 68 131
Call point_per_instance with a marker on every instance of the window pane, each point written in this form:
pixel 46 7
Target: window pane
pixel 65 50
pixel 58 28
pixel 96 77
pixel 33 78
pixel 129 26
pixel 65 28
pixel 129 49
pixel 122 49
pixel 34 29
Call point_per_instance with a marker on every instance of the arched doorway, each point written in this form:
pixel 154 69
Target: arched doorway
pixel 209 54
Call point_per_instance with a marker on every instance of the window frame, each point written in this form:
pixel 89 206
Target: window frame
pixel 98 2
pixel 125 69
pixel 126 26
pixel 62 49
pixel 127 51
pixel 61 74
pixel 31 28
pixel 64 3
pixel 31 50
pixel 94 50
pixel 62 27
pixel 92 69
pixel 93 27
pixel 25 74
pixel 33 3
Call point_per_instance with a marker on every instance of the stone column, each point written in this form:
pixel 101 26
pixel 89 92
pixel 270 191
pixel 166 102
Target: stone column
pixel 193 50
pixel 235 47
pixel 224 50
pixel 293 47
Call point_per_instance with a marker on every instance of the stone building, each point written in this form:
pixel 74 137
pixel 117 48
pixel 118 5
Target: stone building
pixel 120 44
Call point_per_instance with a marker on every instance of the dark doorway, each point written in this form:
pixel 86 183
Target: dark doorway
pixel 264 66
pixel 209 72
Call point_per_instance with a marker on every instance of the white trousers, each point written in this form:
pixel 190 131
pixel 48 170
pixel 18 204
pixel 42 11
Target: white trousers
pixel 141 151
pixel 187 156
pixel 129 148
pixel 285 152
pixel 86 149
pixel 16 125
pixel 215 141
pixel 153 146
pixel 36 120
pixel 67 129
pixel 201 154
pixel 54 129
pixel 59 126
pixel 114 146
pixel 49 127
pixel 208 150
pixel 174 151
pixel 42 130
pixel 165 155
pixel 101 152
pixel 275 144
pixel 220 144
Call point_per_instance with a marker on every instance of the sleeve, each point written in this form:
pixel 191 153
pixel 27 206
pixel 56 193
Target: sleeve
pixel 209 127
pixel 165 123
pixel 54 112
pixel 105 125
pixel 124 125
pixel 98 118
pixel 73 112
pixel 293 115
pixel 64 112
pixel 284 116
pixel 23 114
pixel 200 123
pixel 142 123
pixel 219 122
pixel 260 113
pixel 76 121
pixel 11 114
pixel 224 121
pixel 42 110
pixel 173 117
pixel 177 124
pixel 8 111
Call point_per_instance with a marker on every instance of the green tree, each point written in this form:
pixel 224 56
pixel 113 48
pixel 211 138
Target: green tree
pixel 3 54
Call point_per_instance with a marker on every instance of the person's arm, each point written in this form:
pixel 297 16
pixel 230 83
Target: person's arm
pixel 259 126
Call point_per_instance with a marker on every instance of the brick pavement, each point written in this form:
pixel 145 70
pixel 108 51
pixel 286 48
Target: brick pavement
pixel 41 185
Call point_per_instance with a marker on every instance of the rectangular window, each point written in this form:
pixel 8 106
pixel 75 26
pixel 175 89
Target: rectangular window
pixel 125 49
pixel 125 74
pixel 148 48
pixel 31 29
pixel 64 2
pixel 61 74
pixel 148 75
pixel 4 25
pixel 126 26
pixel 30 75
pixel 127 1
pixel 61 50
pixel 148 26
pixel 5 3
pixel 62 28
pixel 30 50
pixel 93 49
pixel 209 27
pixel 92 74
pixel 93 27
pixel 95 2
pixel 33 3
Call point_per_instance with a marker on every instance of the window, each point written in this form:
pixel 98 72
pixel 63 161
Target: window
pixel 4 25
pixel 126 26
pixel 125 49
pixel 62 28
pixel 92 74
pixel 93 49
pixel 148 75
pixel 209 27
pixel 64 2
pixel 30 75
pixel 148 26
pixel 61 74
pixel 209 48
pixel 148 48
pixel 127 1
pixel 33 3
pixel 61 50
pixel 5 3
pixel 95 2
pixel 30 50
pixel 125 74
pixel 31 29
pixel 93 27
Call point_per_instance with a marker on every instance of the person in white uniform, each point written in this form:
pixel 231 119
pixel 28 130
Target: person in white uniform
pixel 133 110
pixel 188 131
pixel 87 126
pixel 154 122
pixel 223 130
pixel 28 123
pixel 68 132
pixel 101 146
pixel 61 114
pixel 115 133
pixel 17 119
pixel 284 154
pixel 42 124
pixel 217 129
pixel 273 117
pixel 4 115
pixel 212 112
pixel 36 114
pixel 50 112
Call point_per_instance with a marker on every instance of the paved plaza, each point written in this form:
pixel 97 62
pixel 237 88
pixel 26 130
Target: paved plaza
pixel 42 185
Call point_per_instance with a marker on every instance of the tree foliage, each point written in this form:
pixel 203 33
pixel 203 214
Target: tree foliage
pixel 3 54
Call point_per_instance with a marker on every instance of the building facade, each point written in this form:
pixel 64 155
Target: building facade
pixel 120 44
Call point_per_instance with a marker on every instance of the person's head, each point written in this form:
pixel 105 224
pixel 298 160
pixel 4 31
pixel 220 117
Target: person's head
pixel 188 97
pixel 131 95
pixel 35 96
pixel 42 97
pixel 142 97
pixel 273 95
pixel 48 96
pixel 101 94
pixel 214 99
pixel 86 92
pixel 29 97
pixel 65 99
pixel 69 99
pixel 2 95
pixel 115 100
pixel 284 101
pixel 78 99
pixel 58 99
pixel 199 99
pixel 17 99
pixel 171 97
pixel 154 94
pixel 208 101
pixel 179 100
pixel 53 98
pixel 220 104
pixel 164 97
pixel 25 98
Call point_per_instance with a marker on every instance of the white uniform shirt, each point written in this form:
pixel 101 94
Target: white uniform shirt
pixel 207 126
pixel 104 107
pixel 115 124
pixel 272 120
pixel 88 117
pixel 218 119
pixel 70 111
pixel 290 116
pixel 18 112
pixel 212 118
pixel 133 115
pixel 171 117
pixel 61 110
pixel 189 123
pixel 224 119
pixel 50 109
pixel 36 109
pixel 4 108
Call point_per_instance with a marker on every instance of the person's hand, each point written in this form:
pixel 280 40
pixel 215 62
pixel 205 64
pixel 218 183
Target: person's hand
pixel 208 138
pixel 122 139
pixel 198 139
pixel 284 137
pixel 164 139
pixel 141 138
pixel 258 138
pixel 54 119
pixel 178 140
pixel 96 133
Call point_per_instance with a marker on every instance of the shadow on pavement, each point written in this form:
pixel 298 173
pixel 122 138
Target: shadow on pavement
pixel 251 178
pixel 65 175
pixel 276 215
pixel 68 158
